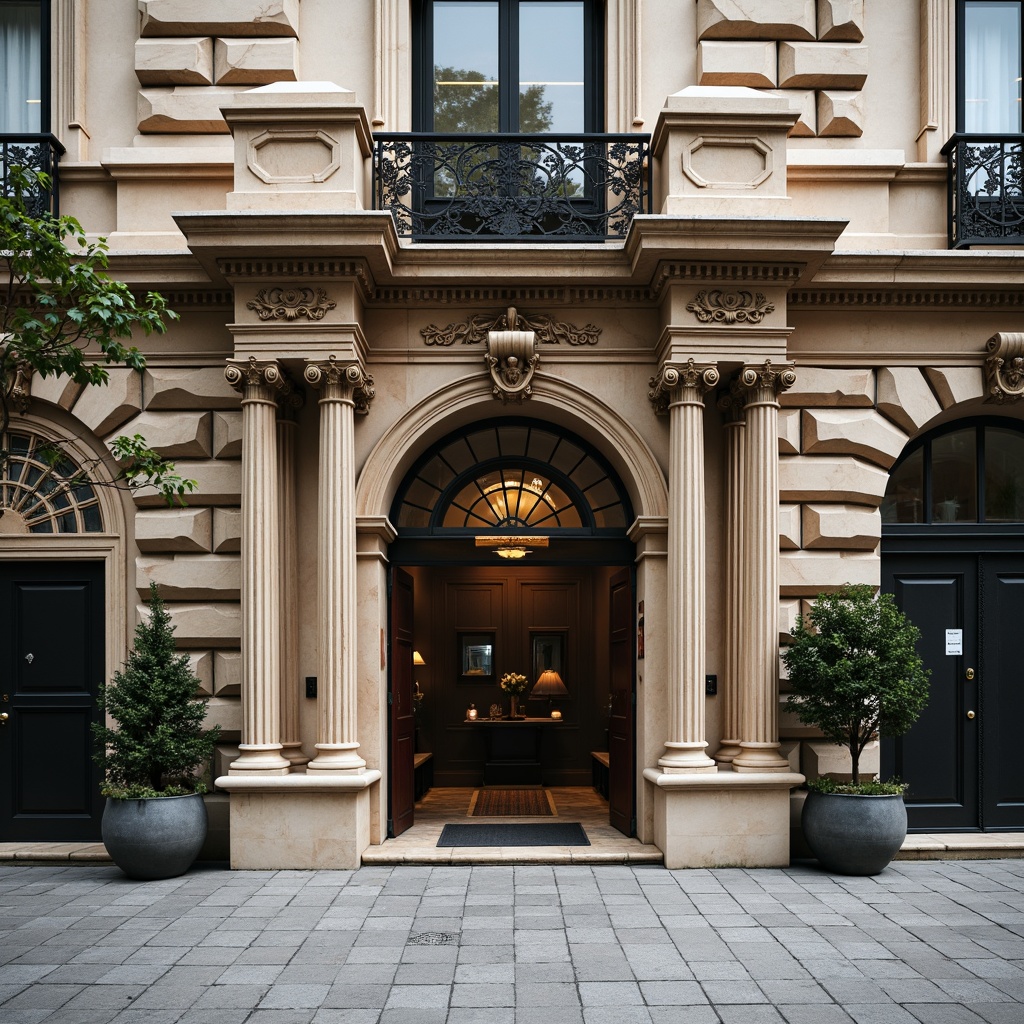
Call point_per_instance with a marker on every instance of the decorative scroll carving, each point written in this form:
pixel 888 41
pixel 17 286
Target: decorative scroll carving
pixel 347 375
pixel 255 373
pixel 722 307
pixel 512 359
pixel 1004 367
pixel 19 392
pixel 767 377
pixel 290 303
pixel 548 330
pixel 701 378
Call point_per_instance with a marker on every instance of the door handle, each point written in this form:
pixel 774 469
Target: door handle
pixel 969 673
pixel 970 714
pixel 3 718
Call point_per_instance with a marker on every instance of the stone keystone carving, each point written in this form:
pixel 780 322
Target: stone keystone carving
pixel 720 307
pixel 512 359
pixel 19 389
pixel 290 303
pixel 672 378
pixel 767 377
pixel 345 375
pixel 256 373
pixel 1004 368
pixel 475 330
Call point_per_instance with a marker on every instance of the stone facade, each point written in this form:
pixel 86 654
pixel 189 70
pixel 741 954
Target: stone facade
pixel 751 360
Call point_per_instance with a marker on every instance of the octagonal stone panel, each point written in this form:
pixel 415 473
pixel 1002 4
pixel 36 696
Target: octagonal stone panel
pixel 727 161
pixel 280 156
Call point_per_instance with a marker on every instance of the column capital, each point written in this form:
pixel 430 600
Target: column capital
pixel 672 377
pixel 730 401
pixel 350 379
pixel 765 378
pixel 243 374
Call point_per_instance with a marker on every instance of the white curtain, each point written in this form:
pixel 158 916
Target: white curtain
pixel 992 68
pixel 20 106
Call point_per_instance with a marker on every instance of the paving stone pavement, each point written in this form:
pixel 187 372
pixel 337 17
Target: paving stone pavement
pixel 937 942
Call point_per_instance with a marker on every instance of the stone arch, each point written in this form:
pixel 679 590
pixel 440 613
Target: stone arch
pixel 554 400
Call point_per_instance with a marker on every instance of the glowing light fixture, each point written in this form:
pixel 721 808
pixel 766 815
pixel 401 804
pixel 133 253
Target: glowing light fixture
pixel 511 547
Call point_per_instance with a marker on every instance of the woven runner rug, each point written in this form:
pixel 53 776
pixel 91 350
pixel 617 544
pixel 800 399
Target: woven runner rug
pixel 540 833
pixel 512 803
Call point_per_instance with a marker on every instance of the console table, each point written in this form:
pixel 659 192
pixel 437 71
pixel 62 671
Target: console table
pixel 513 749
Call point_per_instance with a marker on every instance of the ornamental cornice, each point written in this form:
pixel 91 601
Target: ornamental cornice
pixel 673 377
pixel 729 307
pixel 259 373
pixel 298 269
pixel 547 330
pixel 1004 368
pixel 978 298
pixel 357 384
pixel 279 303
pixel 782 274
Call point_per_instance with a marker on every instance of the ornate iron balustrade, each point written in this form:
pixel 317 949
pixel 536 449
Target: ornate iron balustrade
pixel 986 190
pixel 530 188
pixel 38 153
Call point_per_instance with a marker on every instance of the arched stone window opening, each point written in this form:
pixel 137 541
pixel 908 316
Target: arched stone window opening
pixel 42 489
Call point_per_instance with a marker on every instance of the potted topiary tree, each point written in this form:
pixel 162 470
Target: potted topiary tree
pixel 854 674
pixel 154 822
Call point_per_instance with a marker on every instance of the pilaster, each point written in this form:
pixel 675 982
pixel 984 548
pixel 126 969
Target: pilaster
pixel 345 388
pixel 680 390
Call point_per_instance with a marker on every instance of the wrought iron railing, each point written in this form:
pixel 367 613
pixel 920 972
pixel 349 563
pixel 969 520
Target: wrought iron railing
pixel 37 153
pixel 986 190
pixel 531 188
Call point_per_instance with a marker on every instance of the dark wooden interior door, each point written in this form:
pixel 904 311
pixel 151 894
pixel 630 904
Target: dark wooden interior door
pixel 51 664
pixel 938 757
pixel 621 769
pixel 401 793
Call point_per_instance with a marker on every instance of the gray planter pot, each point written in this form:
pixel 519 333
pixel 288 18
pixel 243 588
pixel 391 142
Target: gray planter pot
pixel 852 834
pixel 158 837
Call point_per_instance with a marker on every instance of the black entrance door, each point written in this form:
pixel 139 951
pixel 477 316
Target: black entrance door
pixel 960 758
pixel 51 664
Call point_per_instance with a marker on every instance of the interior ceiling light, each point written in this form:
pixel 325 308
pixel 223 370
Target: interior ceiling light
pixel 511 547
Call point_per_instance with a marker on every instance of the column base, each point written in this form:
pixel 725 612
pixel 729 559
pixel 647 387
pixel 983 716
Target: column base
pixel 722 820
pixel 729 750
pixel 336 757
pixel 267 760
pixel 293 752
pixel 760 757
pixel 686 757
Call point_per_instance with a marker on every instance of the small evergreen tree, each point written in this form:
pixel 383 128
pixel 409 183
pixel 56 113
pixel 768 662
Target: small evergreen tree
pixel 160 742
pixel 856 673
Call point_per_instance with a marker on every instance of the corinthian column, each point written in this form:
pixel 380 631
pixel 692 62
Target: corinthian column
pixel 759 646
pixel 260 383
pixel 680 391
pixel 731 404
pixel 344 390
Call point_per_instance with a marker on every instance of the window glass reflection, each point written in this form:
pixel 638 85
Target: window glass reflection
pixel 1004 476
pixel 465 66
pixel 551 68
pixel 904 497
pixel 955 477
pixel 992 67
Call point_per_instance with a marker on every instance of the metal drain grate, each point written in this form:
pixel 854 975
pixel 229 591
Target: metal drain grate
pixel 432 939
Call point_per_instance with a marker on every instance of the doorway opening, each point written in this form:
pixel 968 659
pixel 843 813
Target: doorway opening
pixel 511 563
pixel 953 556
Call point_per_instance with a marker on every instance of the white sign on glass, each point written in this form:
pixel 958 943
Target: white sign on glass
pixel 954 641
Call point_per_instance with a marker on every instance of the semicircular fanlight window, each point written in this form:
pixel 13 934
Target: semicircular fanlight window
pixel 43 490
pixel 512 476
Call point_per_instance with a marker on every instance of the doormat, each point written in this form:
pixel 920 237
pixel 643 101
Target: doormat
pixel 512 803
pixel 546 833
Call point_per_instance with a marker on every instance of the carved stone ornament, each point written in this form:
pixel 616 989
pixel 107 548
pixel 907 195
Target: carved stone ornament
pixel 346 375
pixel 256 373
pixel 672 378
pixel 475 330
pixel 290 303
pixel 720 307
pixel 512 359
pixel 19 390
pixel 1004 368
pixel 767 378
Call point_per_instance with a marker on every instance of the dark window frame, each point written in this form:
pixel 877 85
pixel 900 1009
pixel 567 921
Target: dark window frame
pixel 961 54
pixel 508 57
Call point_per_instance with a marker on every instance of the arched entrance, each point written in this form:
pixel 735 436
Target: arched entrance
pixel 512 556
pixel 953 555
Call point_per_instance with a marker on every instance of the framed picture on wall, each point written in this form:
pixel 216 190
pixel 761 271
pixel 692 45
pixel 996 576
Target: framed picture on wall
pixel 547 653
pixel 476 656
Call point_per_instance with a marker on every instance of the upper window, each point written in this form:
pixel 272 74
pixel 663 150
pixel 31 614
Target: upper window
pixel 960 474
pixel 989 59
pixel 520 66
pixel 23 67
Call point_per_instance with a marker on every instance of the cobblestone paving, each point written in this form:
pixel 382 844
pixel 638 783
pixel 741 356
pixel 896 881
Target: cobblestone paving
pixel 935 942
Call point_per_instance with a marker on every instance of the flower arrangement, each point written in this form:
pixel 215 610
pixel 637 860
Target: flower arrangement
pixel 513 683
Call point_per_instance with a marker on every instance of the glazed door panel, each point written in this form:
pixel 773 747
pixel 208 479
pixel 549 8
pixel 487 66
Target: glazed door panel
pixel 401 794
pixel 621 781
pixel 51 665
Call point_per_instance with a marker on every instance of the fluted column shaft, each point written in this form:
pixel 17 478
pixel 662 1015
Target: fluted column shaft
pixel 342 388
pixel 731 404
pixel 682 389
pixel 260 750
pixel 759 725
pixel 290 742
